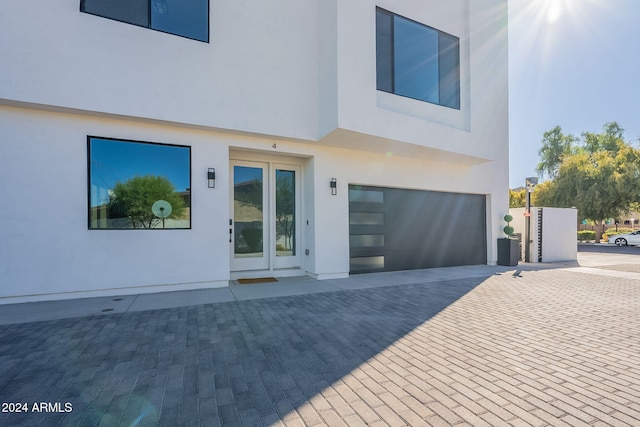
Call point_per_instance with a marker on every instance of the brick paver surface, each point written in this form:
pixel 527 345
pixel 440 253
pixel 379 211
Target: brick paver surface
pixel 533 348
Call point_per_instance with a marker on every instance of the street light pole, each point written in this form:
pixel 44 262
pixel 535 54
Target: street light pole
pixel 529 184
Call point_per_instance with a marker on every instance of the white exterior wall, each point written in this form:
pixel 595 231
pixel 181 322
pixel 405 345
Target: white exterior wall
pixel 300 75
pixel 46 247
pixel 259 73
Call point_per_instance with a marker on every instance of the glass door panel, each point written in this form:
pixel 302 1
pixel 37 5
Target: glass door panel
pixel 286 222
pixel 285 213
pixel 250 241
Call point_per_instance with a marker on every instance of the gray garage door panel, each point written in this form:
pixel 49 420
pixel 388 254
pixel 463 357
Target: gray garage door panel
pixel 398 229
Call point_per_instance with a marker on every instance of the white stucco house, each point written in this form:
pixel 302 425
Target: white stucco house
pixel 155 145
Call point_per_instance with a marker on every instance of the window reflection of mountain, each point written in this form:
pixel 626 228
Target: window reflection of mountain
pixel 249 192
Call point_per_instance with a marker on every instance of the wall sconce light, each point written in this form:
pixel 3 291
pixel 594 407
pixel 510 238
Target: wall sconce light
pixel 334 186
pixel 211 178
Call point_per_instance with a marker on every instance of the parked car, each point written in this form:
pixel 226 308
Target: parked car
pixel 632 238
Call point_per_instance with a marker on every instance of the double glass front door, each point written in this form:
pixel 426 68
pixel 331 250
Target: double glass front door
pixel 264 216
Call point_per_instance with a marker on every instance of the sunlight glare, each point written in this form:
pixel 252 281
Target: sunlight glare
pixel 554 10
pixel 541 25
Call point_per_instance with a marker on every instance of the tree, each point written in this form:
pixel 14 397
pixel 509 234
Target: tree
pixel 133 199
pixel 610 140
pixel 517 198
pixel 599 176
pixel 600 185
pixel 543 194
pixel 285 206
pixel 555 146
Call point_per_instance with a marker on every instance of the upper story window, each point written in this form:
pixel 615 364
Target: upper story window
pixel 417 61
pixel 186 18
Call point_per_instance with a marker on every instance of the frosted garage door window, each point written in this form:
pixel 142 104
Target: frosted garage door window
pixel 365 196
pixel 366 240
pixel 366 218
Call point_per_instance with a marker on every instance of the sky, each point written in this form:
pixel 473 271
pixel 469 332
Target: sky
pixel 572 63
pixel 117 161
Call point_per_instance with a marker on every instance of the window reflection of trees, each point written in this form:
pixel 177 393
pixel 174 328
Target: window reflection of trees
pixel 133 199
pixel 128 177
pixel 285 212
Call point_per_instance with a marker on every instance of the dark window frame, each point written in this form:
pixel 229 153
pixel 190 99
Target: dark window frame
pixel 89 194
pixel 390 86
pixel 150 27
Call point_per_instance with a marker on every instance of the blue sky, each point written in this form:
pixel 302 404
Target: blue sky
pixel 244 174
pixel 117 161
pixel 573 63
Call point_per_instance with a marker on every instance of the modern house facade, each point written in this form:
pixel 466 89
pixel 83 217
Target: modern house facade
pixel 157 145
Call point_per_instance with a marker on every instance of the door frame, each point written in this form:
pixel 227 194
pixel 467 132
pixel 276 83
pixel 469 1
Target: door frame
pixel 274 265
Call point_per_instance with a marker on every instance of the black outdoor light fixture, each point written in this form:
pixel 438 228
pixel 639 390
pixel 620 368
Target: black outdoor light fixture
pixel 211 178
pixel 334 186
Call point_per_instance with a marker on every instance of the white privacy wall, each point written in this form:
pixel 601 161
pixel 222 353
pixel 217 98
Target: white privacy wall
pixel 559 238
pixel 559 241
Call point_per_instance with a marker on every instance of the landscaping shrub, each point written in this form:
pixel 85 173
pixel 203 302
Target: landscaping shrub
pixel 586 235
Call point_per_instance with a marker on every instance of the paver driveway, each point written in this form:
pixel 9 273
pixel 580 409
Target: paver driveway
pixel 548 347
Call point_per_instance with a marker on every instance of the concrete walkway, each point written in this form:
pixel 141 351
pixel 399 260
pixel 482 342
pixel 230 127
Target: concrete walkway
pixel 478 346
pixel 288 286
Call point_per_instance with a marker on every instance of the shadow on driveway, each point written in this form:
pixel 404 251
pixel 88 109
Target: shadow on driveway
pixel 237 363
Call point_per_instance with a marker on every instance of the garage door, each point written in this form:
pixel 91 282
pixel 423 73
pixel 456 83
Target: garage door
pixel 397 229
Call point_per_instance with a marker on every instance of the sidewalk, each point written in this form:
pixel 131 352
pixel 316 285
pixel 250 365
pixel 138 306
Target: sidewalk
pixel 61 309
pixel 481 346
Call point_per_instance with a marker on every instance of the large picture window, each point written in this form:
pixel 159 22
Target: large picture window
pixel 186 18
pixel 417 61
pixel 138 185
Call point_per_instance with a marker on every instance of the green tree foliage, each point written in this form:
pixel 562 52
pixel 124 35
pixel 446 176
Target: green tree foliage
pixel 555 146
pixel 601 177
pixel 133 199
pixel 610 140
pixel 543 194
pixel 517 198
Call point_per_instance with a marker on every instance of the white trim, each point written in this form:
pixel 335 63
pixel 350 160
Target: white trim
pixel 328 276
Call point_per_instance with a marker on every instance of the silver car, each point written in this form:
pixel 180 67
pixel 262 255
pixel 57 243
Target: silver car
pixel 632 238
